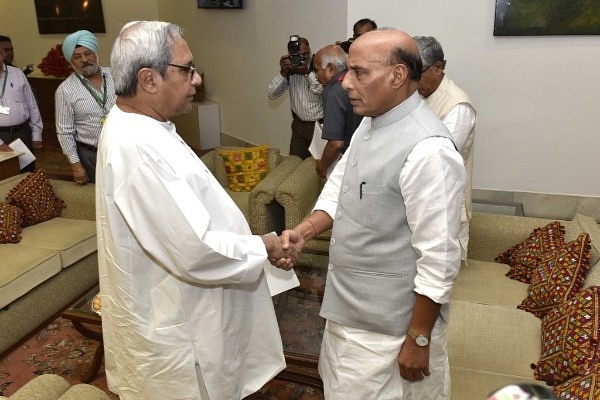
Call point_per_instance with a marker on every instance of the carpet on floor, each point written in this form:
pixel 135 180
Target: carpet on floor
pixel 60 349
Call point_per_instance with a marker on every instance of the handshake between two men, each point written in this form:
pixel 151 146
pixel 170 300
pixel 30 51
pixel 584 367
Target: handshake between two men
pixel 283 251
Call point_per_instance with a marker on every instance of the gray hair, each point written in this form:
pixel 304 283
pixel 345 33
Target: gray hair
pixel 430 49
pixel 337 60
pixel 141 44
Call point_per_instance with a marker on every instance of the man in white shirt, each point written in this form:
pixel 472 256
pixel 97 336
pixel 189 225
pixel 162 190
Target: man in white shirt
pixel 186 311
pixel 453 106
pixel 20 116
pixel 393 201
pixel 82 102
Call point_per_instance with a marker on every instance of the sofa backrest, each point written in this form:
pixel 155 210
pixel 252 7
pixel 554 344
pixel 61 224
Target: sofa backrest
pixel 491 234
pixel 79 199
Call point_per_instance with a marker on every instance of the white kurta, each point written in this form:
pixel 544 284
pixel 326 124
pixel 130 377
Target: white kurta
pixel 181 276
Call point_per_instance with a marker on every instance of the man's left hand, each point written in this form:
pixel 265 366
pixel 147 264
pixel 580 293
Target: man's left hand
pixel 413 361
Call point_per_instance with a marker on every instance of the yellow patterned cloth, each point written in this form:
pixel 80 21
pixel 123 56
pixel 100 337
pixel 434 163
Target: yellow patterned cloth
pixel 245 167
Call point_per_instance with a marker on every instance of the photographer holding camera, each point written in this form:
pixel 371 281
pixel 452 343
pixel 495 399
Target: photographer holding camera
pixel 361 26
pixel 305 90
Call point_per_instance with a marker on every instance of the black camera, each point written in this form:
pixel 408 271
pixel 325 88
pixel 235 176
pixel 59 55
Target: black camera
pixel 346 45
pixel 294 49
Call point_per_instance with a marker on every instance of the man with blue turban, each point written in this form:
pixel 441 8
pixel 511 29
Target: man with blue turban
pixel 82 102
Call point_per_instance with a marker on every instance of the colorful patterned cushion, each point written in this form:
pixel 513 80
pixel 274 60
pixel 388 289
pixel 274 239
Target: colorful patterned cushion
pixel 35 196
pixel 524 256
pixel 570 334
pixel 558 277
pixel 10 223
pixel 581 387
pixel 245 167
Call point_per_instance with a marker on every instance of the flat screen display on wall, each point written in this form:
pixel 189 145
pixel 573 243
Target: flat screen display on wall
pixel 220 4
pixel 68 16
pixel 547 17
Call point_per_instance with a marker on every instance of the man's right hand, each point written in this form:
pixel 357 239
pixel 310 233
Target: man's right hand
pixel 285 65
pixel 5 147
pixel 79 174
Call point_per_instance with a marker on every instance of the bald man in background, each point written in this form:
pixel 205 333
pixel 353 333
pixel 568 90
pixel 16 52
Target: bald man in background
pixel 82 102
pixel 339 121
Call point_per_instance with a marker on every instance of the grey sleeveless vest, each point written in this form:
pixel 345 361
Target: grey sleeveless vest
pixel 372 266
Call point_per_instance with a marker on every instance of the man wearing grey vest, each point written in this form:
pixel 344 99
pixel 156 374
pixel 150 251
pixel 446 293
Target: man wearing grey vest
pixel 393 202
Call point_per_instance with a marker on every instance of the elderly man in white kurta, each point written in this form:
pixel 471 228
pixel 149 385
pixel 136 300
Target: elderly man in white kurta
pixel 186 309
pixel 454 107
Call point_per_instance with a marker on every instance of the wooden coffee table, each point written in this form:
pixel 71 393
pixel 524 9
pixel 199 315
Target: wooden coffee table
pixel 9 164
pixel 89 324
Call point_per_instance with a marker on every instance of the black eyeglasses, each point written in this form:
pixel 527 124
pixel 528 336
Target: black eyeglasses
pixel 422 71
pixel 191 69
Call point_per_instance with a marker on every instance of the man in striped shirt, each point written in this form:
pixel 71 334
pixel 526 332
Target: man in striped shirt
pixel 83 101
pixel 305 95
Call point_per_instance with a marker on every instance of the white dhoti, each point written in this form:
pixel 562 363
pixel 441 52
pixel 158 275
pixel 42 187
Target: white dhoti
pixel 357 364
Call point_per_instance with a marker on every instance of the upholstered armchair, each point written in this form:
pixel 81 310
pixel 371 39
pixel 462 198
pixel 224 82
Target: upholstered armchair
pixel 298 195
pixel 51 386
pixel 262 212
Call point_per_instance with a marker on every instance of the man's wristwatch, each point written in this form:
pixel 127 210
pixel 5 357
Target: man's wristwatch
pixel 420 340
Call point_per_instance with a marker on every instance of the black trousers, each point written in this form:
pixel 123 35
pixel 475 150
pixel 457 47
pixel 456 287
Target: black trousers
pixel 302 133
pixel 87 157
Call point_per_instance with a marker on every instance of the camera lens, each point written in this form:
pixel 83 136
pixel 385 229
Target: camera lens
pixel 296 60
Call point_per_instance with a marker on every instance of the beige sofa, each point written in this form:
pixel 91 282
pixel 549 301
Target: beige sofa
pixel 262 212
pixel 54 387
pixel 491 342
pixel 53 264
pixel 297 204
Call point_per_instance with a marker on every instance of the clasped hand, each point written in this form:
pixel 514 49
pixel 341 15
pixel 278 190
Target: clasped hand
pixel 284 251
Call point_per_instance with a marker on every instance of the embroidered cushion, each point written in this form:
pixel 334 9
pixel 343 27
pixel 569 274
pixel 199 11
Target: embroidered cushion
pixel 245 167
pixel 10 223
pixel 524 256
pixel 581 387
pixel 570 338
pixel 35 196
pixel 558 277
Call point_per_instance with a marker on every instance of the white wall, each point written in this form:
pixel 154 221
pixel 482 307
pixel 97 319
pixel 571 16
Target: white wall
pixel 537 97
pixel 18 20
pixel 239 51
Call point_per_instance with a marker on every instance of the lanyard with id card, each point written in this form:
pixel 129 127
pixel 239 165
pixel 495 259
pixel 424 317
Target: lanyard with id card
pixel 4 109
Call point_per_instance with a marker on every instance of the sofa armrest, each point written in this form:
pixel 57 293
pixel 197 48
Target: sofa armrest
pixel 46 386
pixel 299 192
pixel 491 234
pixel 80 199
pixel 264 213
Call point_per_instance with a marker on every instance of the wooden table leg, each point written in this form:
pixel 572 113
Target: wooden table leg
pixel 92 372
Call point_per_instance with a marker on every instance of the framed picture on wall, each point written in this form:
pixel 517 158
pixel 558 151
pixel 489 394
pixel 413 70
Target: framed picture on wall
pixel 220 4
pixel 547 17
pixel 68 16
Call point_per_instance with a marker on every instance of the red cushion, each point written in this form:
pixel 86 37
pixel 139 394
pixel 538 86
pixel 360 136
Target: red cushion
pixel 581 387
pixel 570 338
pixel 35 196
pixel 524 256
pixel 558 277
pixel 10 223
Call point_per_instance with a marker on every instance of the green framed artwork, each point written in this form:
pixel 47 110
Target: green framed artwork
pixel 547 17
